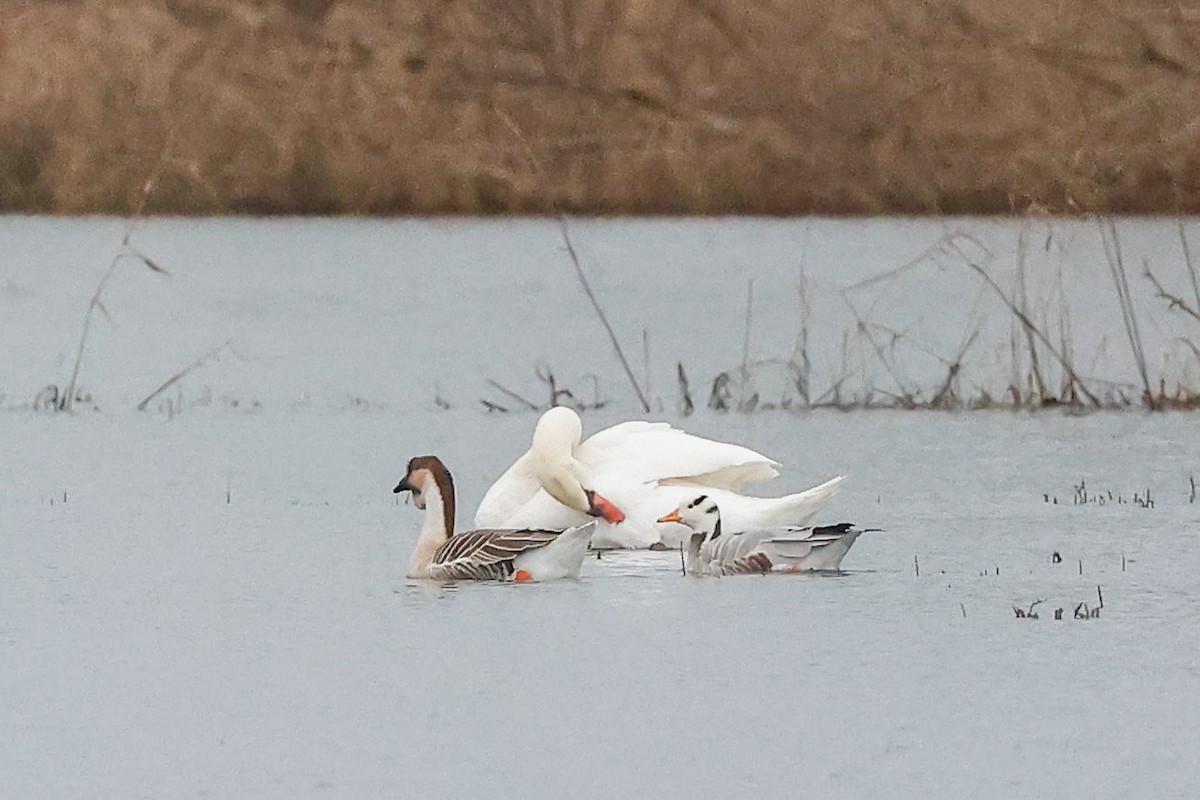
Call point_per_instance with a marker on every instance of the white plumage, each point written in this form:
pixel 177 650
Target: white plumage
pixel 718 549
pixel 643 469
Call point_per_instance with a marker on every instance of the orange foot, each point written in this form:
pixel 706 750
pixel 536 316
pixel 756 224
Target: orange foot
pixel 521 576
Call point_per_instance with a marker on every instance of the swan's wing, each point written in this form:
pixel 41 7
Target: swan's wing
pixel 512 490
pixel 646 452
pixel 543 511
pixel 485 554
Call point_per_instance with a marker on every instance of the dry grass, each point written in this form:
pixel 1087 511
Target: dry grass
pixel 697 106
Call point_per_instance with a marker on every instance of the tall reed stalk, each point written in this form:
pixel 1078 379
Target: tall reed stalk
pixel 1116 268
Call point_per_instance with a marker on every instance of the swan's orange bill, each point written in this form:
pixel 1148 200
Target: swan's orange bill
pixel 520 576
pixel 672 517
pixel 606 509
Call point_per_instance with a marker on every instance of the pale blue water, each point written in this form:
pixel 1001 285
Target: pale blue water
pixel 340 313
pixel 207 600
pixel 157 641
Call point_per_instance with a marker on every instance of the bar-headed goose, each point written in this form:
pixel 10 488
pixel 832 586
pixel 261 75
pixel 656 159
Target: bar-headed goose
pixel 628 474
pixel 714 549
pixel 521 555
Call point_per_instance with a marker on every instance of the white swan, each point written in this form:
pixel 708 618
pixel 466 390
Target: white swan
pixel 520 555
pixel 713 550
pixel 631 472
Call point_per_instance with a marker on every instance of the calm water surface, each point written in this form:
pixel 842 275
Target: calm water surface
pixel 207 600
pixel 160 641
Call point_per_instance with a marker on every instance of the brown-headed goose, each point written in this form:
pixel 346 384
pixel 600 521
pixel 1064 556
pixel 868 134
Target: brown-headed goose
pixel 489 554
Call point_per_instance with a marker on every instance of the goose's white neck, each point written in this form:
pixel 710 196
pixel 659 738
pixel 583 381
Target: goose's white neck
pixel 706 524
pixel 706 527
pixel 437 527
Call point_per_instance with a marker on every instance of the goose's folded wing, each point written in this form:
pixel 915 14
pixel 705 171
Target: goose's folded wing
pixel 488 546
pixel 655 451
pixel 818 535
pixel 737 553
pixel 799 542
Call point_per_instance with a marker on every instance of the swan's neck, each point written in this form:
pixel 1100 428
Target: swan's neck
pixel 561 476
pixel 438 495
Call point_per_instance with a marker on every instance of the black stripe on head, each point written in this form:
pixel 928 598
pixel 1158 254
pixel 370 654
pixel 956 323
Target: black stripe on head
pixel 697 501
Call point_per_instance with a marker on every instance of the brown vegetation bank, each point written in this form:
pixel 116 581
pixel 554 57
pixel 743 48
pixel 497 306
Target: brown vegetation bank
pixel 599 106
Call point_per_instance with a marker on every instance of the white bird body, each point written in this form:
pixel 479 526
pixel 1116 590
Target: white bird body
pixel 717 549
pixel 488 554
pixel 643 468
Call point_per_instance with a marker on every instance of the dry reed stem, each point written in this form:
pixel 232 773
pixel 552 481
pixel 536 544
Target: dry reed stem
pixel 1030 326
pixel 171 381
pixel 579 273
pixel 1116 267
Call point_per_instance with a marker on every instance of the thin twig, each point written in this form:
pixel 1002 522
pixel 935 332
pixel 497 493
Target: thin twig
pixel 1116 268
pixel 686 406
pixel 532 406
pixel 800 357
pixel 646 363
pixel 1034 365
pixel 612 336
pixel 1173 301
pixel 67 399
pixel 1191 265
pixel 1028 323
pixel 201 361
pixel 566 237
pixel 746 333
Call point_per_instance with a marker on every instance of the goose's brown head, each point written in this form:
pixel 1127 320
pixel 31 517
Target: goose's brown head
pixel 420 469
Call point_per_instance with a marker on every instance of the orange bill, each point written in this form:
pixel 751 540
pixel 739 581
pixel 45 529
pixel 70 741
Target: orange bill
pixel 672 517
pixel 602 507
